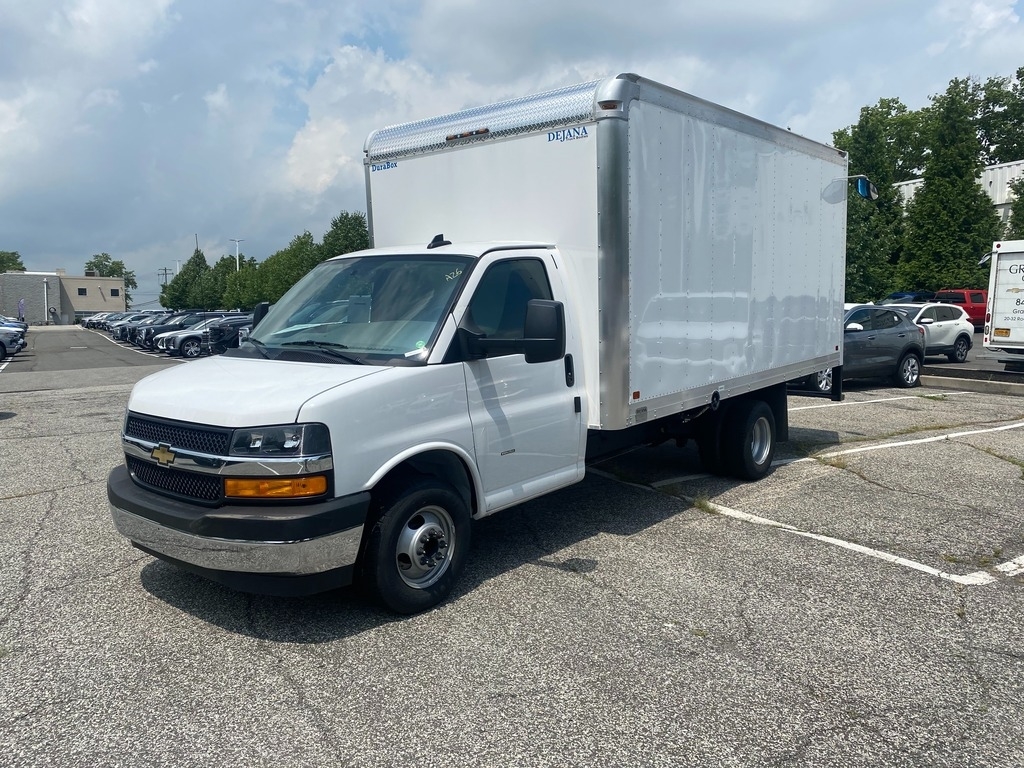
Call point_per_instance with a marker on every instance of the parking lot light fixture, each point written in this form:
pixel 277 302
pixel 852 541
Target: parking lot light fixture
pixel 236 241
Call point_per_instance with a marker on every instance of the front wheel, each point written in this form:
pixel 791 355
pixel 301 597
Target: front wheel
pixel 820 381
pixel 417 547
pixel 908 372
pixel 748 445
pixel 191 347
pixel 960 348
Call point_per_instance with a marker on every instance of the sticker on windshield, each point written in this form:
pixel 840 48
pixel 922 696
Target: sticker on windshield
pixel 421 347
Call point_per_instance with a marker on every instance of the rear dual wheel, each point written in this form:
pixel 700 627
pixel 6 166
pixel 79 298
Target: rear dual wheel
pixel 740 441
pixel 748 440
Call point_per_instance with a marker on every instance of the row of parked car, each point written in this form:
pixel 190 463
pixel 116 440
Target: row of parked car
pixel 12 336
pixel 973 301
pixel 892 341
pixel 188 333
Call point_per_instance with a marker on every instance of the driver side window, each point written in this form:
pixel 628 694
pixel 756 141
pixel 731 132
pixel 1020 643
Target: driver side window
pixel 498 307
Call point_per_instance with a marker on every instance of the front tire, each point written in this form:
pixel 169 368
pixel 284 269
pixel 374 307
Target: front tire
pixel 960 349
pixel 908 372
pixel 748 445
pixel 191 348
pixel 820 381
pixel 418 546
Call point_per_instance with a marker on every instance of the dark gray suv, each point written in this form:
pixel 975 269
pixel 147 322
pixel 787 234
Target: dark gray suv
pixel 878 342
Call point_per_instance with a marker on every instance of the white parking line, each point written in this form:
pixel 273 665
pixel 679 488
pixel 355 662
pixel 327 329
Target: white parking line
pixel 147 353
pixel 919 441
pixel 978 578
pixel 1012 567
pixel 4 365
pixel 877 400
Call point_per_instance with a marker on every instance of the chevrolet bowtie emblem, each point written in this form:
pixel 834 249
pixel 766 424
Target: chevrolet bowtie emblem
pixel 163 454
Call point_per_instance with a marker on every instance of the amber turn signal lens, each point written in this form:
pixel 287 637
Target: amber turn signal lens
pixel 275 488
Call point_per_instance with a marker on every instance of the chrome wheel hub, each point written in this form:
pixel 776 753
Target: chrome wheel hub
pixel 425 546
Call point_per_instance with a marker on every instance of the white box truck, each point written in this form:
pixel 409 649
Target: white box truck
pixel 628 264
pixel 1004 316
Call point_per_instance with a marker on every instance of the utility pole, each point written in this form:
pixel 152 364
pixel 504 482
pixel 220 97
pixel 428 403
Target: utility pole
pixel 236 241
pixel 164 273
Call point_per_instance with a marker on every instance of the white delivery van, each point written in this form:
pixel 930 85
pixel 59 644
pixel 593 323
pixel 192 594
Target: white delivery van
pixel 1004 316
pixel 553 278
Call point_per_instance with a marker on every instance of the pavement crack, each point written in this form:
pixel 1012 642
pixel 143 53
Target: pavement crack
pixel 272 650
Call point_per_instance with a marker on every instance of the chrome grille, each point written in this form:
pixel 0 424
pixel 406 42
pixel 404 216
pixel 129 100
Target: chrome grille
pixel 201 439
pixel 190 485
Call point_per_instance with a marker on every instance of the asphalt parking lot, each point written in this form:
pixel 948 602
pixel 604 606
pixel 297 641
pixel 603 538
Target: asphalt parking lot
pixel 863 605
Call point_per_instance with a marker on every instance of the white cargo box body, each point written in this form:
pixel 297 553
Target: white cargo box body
pixel 1004 326
pixel 706 249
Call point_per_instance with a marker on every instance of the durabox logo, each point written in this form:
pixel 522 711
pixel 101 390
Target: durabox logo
pixel 382 166
pixel 568 134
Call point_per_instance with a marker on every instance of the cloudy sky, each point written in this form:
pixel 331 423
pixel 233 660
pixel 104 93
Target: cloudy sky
pixel 134 127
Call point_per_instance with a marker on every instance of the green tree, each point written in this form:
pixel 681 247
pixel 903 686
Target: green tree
pixel 244 288
pixel 178 292
pixel 283 269
pixel 885 146
pixel 207 292
pixel 348 233
pixel 106 266
pixel 951 221
pixel 1015 226
pixel 1001 119
pixel 10 261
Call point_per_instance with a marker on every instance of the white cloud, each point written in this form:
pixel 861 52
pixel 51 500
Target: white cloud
pixel 217 102
pixel 101 97
pixel 973 21
pixel 131 126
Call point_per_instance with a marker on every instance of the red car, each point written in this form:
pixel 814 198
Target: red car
pixel 973 300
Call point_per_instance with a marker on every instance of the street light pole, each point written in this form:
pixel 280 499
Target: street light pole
pixel 236 241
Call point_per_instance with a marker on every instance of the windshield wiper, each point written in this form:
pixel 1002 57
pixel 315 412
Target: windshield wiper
pixel 330 347
pixel 260 346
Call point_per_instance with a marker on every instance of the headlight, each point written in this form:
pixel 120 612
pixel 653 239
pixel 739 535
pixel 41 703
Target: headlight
pixel 282 441
pixel 290 441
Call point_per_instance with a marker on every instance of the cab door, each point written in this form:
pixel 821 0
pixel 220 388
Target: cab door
pixel 528 429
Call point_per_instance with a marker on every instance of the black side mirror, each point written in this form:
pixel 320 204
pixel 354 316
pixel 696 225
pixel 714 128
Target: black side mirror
pixel 543 336
pixel 259 312
pixel 544 331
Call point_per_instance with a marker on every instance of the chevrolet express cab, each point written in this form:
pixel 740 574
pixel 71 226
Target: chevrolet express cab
pixel 553 279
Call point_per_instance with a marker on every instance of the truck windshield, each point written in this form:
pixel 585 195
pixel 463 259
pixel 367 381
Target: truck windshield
pixel 372 308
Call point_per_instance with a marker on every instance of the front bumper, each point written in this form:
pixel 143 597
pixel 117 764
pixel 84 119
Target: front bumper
pixel 300 549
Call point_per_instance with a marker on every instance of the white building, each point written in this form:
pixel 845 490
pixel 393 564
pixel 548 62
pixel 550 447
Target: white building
pixel 995 179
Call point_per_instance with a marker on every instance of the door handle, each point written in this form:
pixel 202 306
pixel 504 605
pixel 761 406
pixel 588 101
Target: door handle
pixel 570 373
